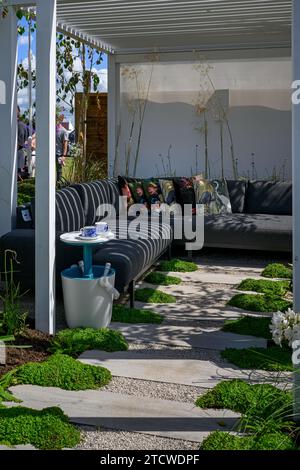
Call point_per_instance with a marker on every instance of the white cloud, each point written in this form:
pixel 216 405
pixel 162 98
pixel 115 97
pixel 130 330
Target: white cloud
pixel 23 40
pixel 102 74
pixel 33 62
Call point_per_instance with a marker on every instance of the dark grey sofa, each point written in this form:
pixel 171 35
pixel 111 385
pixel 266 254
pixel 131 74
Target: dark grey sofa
pixel 76 207
pixel 261 219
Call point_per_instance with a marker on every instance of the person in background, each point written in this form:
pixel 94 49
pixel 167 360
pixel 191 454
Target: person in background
pixel 62 140
pixel 23 135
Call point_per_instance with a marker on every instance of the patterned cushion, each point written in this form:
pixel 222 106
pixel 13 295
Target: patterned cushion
pixel 184 191
pixel 152 191
pixel 93 195
pixel 69 210
pixel 168 191
pixel 213 194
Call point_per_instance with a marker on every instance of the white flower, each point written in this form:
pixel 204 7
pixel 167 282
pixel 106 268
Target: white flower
pixel 285 327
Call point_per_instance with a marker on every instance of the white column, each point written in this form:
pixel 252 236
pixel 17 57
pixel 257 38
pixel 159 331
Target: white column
pixel 8 120
pixel 296 186
pixel 45 166
pixel 113 109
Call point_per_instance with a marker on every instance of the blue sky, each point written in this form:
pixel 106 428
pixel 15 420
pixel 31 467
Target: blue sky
pixel 22 57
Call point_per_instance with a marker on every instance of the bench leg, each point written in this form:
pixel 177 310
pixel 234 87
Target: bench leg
pixel 169 253
pixel 131 293
pixel 190 254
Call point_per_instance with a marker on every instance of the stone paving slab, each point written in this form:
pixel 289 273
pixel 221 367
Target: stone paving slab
pixel 195 292
pixel 212 277
pixel 184 311
pixel 186 336
pixel 111 410
pixel 18 447
pixel 194 372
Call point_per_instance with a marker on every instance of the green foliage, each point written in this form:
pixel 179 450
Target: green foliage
pixel 134 315
pixel 12 319
pixel 177 265
pixel 45 429
pixel 219 440
pixel 154 296
pixel 274 358
pixel 264 286
pixel 259 303
pixel 162 279
pixel 264 408
pixel 61 371
pixel 76 341
pixel 26 191
pixel 278 270
pixel 253 326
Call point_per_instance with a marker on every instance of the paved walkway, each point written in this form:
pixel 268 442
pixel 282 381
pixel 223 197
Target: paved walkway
pixel 181 354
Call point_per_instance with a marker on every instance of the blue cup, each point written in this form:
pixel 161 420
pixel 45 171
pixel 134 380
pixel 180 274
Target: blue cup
pixel 88 232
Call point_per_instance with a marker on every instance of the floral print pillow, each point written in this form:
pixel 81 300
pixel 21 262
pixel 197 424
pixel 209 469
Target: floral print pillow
pixel 212 194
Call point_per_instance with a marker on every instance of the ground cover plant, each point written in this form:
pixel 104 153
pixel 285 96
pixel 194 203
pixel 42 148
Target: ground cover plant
pixel 77 340
pixel 253 326
pixel 259 303
pixel 278 270
pixel 273 358
pixel 177 265
pixel 266 286
pixel 162 279
pixel 59 370
pixel 123 314
pixel 154 296
pixel 46 429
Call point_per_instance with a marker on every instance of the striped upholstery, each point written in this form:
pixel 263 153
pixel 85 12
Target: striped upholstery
pixel 69 211
pixel 93 195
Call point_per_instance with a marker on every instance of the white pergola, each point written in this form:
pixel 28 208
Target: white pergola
pixel 127 30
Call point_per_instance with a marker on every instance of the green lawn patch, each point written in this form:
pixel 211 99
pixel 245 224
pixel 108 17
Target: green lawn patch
pixel 278 270
pixel 162 279
pixel 259 303
pixel 253 326
pixel 154 296
pixel 46 429
pixel 134 315
pixel 76 341
pixel 265 286
pixel 61 371
pixel 177 265
pixel 264 408
pixel 219 440
pixel 273 358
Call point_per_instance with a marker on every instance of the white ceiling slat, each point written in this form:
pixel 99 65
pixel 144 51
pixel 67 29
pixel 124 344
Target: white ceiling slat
pixel 177 24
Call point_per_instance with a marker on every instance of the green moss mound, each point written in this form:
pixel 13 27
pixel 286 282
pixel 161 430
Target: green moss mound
pixel 177 265
pixel 264 286
pixel 278 270
pixel 76 341
pixel 162 279
pixel 274 358
pixel 47 429
pixel 253 326
pixel 259 303
pixel 154 296
pixel 123 314
pixel 219 440
pixel 61 371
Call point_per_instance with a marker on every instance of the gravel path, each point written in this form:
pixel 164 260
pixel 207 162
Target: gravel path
pixel 95 439
pixel 150 389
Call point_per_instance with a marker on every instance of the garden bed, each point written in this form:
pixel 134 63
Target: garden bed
pixel 38 351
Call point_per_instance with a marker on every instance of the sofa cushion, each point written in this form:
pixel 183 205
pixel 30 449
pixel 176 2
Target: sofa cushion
pixel 184 191
pixel 69 210
pixel 237 193
pixel 249 231
pixel 93 195
pixel 266 197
